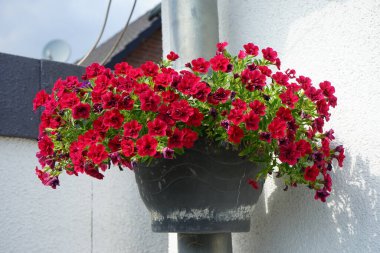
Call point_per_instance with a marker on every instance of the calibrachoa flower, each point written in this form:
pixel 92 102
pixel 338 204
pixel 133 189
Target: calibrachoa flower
pixel 242 102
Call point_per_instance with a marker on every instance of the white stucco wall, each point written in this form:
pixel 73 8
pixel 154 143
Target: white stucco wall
pixel 325 40
pixel 82 215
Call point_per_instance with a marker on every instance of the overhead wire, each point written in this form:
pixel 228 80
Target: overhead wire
pixel 99 36
pixel 120 36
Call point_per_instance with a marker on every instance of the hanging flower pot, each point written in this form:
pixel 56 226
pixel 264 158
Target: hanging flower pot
pixel 160 123
pixel 204 190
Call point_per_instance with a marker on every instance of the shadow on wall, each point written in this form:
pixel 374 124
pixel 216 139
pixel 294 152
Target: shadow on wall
pixel 293 222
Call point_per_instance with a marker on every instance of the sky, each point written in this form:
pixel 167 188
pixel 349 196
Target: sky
pixel 26 26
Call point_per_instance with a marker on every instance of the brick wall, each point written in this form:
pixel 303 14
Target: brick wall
pixel 149 50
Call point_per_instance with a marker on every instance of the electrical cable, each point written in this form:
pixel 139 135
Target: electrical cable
pixel 121 35
pixel 100 35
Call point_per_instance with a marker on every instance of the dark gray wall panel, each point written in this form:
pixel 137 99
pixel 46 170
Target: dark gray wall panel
pixel 20 79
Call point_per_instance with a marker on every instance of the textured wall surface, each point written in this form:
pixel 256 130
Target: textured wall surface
pixel 82 215
pixel 325 40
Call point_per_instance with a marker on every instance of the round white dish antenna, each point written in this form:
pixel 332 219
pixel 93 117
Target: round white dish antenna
pixel 56 50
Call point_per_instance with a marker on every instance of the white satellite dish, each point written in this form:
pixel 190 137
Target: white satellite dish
pixel 57 50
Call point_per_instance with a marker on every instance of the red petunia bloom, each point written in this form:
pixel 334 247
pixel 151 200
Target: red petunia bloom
pixel 195 119
pixel 114 144
pixel 305 82
pixel 288 98
pixel 40 99
pixel 46 145
pixel 281 78
pixel 269 54
pixel 253 80
pixel 146 145
pixel 265 70
pixel 284 114
pixel 242 54
pixel 326 147
pixel 97 153
pixel 113 119
pixel 252 121
pixel 251 49
pixel 157 127
pixel 132 129
pixel 47 179
pixel 303 147
pixel 235 134
pixel 239 104
pixel 200 91
pixel 236 116
pixel 68 100
pixel 221 46
pixel 169 96
pixel 81 111
pixel 162 81
pixel 128 147
pixel 122 68
pixel 110 100
pixel 176 140
pixel 189 137
pixel 200 65
pixel 172 56
pixel 311 173
pixel 149 101
pixel 257 107
pixel 219 96
pixel 277 128
pixel 219 63
pixel 289 153
pixel 125 102
pixel 180 110
pixel 149 68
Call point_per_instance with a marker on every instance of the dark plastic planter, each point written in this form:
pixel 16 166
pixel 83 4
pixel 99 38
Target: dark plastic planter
pixel 203 191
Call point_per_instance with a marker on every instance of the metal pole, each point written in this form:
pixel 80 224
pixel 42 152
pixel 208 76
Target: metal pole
pixel 205 243
pixel 190 28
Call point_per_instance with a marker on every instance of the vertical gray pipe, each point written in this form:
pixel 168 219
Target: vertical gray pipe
pixel 205 243
pixel 191 28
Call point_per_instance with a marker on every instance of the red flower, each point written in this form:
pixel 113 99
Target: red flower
pixel 200 65
pixel 176 140
pixel 239 104
pixel 257 107
pixel 149 101
pixel 236 116
pixel 200 91
pixel 40 99
pixel 321 194
pixel 251 49
pixel 253 183
pixel 81 111
pixel 93 70
pixel 305 82
pixel 284 114
pixel 221 46
pixel 110 100
pixel 169 96
pixel 323 108
pixel 125 102
pixel 180 110
pixel 235 134
pixel 288 98
pixel 68 100
pixel 146 145
pixel 289 153
pixel 122 68
pixel 314 94
pixel 189 137
pixel 195 119
pixel 128 147
pixel 311 173
pixel 340 156
pixel 265 70
pixel 219 96
pixel 187 82
pixel 277 128
pixel 46 145
pixel 269 54
pixel 157 127
pixel 113 119
pixel 253 80
pixel 326 147
pixel 219 63
pixel 97 153
pixel 92 171
pixel 149 68
pixel 252 121
pixel 114 144
pixel 47 179
pixel 303 147
pixel 162 80
pixel 242 54
pixel 281 78
pixel 172 56
pixel 132 129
